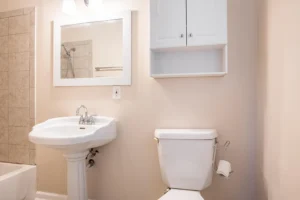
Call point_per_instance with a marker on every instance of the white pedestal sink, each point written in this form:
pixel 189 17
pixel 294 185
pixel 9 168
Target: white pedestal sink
pixel 74 140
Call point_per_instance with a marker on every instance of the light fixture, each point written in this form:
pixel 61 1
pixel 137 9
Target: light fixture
pixel 69 7
pixel 94 4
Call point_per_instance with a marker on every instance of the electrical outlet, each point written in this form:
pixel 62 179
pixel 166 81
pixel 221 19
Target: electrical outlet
pixel 116 92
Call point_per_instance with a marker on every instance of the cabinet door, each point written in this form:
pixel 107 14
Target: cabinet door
pixel 168 23
pixel 206 22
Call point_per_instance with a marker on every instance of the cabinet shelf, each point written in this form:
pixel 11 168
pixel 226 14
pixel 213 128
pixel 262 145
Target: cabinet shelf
pixel 189 62
pixel 217 74
pixel 190 48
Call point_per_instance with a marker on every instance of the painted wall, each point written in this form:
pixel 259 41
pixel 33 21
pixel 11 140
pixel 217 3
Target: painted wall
pixel 279 99
pixel 128 168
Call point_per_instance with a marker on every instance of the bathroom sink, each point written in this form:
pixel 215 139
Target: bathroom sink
pixel 68 135
pixel 74 136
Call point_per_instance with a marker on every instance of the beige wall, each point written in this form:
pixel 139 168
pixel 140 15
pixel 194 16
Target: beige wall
pixel 279 99
pixel 128 168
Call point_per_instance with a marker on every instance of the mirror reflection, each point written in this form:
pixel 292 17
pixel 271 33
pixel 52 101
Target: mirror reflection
pixel 92 50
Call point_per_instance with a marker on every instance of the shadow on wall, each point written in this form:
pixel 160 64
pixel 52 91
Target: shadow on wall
pixel 269 102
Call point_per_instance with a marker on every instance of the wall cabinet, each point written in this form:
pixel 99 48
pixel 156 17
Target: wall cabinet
pixel 168 23
pixel 188 38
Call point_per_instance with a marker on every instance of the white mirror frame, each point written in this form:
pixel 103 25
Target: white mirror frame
pixel 122 80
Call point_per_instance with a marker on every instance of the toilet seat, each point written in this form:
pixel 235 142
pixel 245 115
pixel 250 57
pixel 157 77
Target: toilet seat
pixel 174 194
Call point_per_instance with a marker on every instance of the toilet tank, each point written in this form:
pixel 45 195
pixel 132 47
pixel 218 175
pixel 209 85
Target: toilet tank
pixel 186 157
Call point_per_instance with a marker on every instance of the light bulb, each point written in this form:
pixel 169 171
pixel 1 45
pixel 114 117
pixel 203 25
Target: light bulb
pixel 69 7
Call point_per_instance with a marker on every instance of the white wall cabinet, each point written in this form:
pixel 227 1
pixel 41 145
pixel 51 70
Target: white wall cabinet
pixel 168 23
pixel 188 38
pixel 206 22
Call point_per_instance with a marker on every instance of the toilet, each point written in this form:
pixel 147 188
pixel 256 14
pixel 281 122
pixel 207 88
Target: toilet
pixel 186 158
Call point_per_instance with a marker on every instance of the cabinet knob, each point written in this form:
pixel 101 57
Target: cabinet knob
pixel 190 35
pixel 182 35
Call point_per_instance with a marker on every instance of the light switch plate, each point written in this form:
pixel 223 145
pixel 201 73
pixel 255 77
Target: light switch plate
pixel 116 92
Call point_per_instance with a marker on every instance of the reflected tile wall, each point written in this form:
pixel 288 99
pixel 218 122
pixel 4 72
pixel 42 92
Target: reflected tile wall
pixel 17 85
pixel 82 60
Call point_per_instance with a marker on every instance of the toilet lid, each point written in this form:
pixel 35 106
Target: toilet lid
pixel 182 195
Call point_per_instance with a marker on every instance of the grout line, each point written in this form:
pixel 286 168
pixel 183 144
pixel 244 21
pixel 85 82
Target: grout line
pixel 24 33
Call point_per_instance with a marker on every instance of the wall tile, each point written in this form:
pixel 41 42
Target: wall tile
pixel 4 44
pixel 31 146
pixel 82 73
pixel 18 135
pixel 4 62
pixel 19 79
pixel 19 97
pixel 63 73
pixel 31 123
pixel 19 24
pixel 83 50
pixel 32 72
pixel 32 100
pixel 19 61
pixel 4 98
pixel 18 154
pixel 82 62
pixel 29 10
pixel 32 19
pixel 3 135
pixel 63 63
pixel 4 116
pixel 32 157
pixel 3 80
pixel 11 13
pixel 4 152
pixel 17 83
pixel 69 74
pixel 3 27
pixel 19 117
pixel 19 43
pixel 32 40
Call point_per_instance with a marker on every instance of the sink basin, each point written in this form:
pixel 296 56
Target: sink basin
pixel 74 140
pixel 68 135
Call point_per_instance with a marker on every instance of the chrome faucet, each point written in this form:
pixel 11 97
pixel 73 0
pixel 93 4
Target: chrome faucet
pixel 86 119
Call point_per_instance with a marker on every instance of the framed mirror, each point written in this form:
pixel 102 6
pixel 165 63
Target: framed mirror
pixel 93 50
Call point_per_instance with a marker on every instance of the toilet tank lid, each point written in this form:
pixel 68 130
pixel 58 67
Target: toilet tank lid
pixel 186 134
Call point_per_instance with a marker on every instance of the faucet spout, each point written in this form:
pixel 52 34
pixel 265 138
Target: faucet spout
pixel 82 119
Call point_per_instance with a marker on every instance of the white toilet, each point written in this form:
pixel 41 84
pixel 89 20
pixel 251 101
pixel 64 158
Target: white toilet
pixel 186 160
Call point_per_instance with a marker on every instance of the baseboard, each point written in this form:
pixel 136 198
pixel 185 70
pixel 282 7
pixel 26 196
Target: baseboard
pixel 50 196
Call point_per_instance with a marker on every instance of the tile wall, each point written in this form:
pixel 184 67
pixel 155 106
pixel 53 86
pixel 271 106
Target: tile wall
pixel 17 85
pixel 81 59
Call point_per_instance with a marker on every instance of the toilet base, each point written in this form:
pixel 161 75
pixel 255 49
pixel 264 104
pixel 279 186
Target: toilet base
pixel 175 194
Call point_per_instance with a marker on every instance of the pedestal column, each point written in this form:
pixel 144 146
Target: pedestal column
pixel 77 189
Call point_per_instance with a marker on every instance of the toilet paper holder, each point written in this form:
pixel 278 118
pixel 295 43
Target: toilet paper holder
pixel 225 146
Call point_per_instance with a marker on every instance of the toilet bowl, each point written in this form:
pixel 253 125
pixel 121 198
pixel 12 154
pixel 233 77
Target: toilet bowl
pixel 174 194
pixel 186 159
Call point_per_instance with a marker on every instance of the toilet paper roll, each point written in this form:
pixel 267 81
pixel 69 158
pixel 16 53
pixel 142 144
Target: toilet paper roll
pixel 224 168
